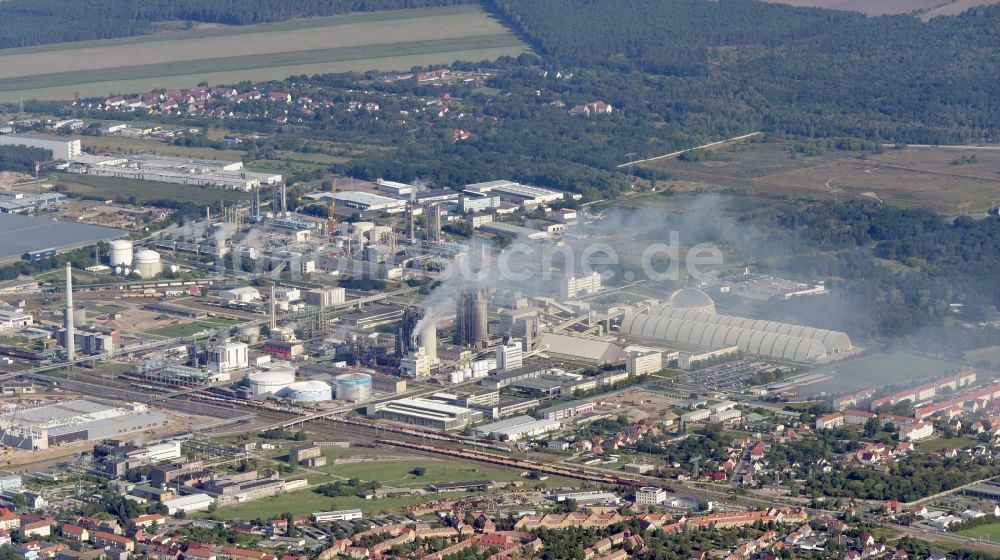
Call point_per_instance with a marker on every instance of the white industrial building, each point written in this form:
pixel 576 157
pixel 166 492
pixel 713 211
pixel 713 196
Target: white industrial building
pixel 416 364
pixel 12 320
pixel 514 193
pixel 367 201
pixel 229 356
pixel 518 428
pixel 650 496
pixel 189 504
pixel 426 412
pixel 509 356
pixel 572 286
pixel 325 297
pixel 643 362
pixel 184 171
pixel 334 516
pixel 241 294
pixel 61 148
pixel 689 318
pixel 71 421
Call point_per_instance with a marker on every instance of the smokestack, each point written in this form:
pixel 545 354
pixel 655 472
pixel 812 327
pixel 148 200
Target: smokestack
pixel 411 223
pixel 70 328
pixel 255 201
pixel 284 201
pixel 273 322
pixel 434 224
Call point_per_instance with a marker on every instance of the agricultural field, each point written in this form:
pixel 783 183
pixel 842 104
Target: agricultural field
pixel 948 180
pixel 926 8
pixel 109 188
pixel 392 40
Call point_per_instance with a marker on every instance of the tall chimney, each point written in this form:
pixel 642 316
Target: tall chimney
pixel 273 322
pixel 70 328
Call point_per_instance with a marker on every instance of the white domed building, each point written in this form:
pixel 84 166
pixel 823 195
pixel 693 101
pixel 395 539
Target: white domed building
pixel 691 299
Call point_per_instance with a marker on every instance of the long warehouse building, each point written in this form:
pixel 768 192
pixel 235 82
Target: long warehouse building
pixel 692 322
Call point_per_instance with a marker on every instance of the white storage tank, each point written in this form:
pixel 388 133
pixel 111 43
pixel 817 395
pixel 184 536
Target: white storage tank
pixel 270 382
pixel 121 253
pixel 354 387
pixel 456 376
pixel 250 334
pixel 147 263
pixel 308 391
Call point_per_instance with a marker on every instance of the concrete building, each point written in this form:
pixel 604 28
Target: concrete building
pixel 416 364
pixel 189 504
pixel 518 428
pixel 241 294
pixel 336 516
pixel 650 496
pixel 643 362
pixel 591 351
pixel 325 297
pixel 12 320
pixel 61 148
pixel 567 410
pixel 426 412
pixel 301 453
pixel 829 421
pixel 571 287
pixel 513 193
pixel 509 357
pixel 916 432
pixel 229 356
pixel 79 420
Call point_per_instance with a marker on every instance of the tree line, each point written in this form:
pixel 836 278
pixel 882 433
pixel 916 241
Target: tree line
pixel 38 22
pixel 22 158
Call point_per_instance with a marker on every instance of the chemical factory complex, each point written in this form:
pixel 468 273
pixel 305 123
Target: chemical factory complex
pixel 242 356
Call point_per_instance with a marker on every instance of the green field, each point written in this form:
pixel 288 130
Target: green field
pixel 110 188
pixel 989 532
pixel 397 40
pixel 937 444
pixel 990 354
pixel 895 367
pixel 385 466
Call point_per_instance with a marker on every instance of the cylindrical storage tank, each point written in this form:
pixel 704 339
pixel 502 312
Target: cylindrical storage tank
pixel 308 391
pixel 354 387
pixel 147 263
pixel 456 376
pixel 270 382
pixel 121 252
pixel 250 333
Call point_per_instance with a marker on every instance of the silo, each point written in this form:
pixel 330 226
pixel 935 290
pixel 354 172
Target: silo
pixel 121 252
pixel 428 339
pixel 147 263
pixel 354 387
pixel 308 391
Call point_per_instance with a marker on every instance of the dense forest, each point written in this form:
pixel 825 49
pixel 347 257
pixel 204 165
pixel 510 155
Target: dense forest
pixel 22 158
pixel 38 22
pixel 803 71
